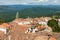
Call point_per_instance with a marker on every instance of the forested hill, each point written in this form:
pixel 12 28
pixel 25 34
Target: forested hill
pixel 8 12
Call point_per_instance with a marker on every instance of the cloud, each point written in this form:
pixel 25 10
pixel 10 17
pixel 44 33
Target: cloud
pixel 27 2
pixel 55 1
pixel 42 0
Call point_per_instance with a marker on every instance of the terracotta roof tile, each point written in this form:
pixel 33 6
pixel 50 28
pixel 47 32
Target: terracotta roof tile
pixel 4 25
pixel 40 27
pixel 52 38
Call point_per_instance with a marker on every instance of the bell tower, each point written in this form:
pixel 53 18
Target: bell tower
pixel 17 15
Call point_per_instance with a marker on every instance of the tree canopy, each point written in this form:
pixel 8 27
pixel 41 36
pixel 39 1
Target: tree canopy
pixel 54 25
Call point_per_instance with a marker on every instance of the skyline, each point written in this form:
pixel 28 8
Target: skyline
pixel 30 2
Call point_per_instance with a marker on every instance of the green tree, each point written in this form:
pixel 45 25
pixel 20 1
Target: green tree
pixel 2 21
pixel 54 25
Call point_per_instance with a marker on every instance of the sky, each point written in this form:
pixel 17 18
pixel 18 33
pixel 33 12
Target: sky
pixel 30 2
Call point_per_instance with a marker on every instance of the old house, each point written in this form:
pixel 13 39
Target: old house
pixel 4 27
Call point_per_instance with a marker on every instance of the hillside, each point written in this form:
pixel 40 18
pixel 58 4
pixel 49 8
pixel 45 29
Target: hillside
pixel 40 11
pixel 8 12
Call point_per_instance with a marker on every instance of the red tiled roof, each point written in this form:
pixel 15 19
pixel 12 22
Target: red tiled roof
pixel 4 25
pixel 52 38
pixel 40 27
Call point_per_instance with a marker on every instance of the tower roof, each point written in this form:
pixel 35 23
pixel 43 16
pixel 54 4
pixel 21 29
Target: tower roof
pixel 17 15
